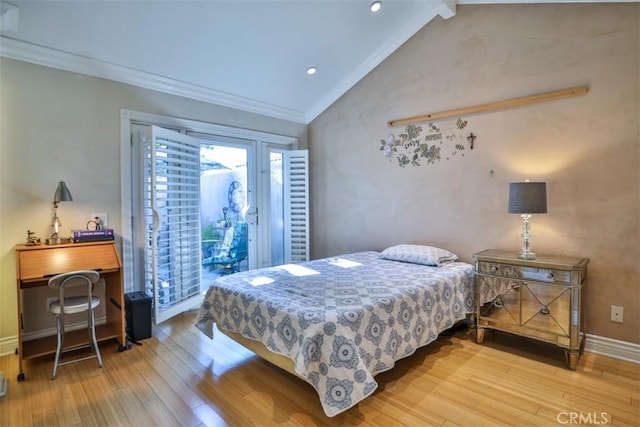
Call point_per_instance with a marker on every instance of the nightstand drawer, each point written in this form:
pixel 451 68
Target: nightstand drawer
pixel 524 272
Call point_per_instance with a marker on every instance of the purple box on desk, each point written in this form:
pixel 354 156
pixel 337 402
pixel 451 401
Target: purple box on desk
pixel 79 236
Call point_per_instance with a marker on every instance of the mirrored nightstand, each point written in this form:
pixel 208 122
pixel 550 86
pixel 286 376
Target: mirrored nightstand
pixel 540 299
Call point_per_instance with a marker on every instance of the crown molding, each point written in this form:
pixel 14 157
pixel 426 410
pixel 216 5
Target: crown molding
pixel 22 51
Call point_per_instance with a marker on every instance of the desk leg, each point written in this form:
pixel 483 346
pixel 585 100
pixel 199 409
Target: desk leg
pixel 19 350
pixel 20 371
pixel 114 294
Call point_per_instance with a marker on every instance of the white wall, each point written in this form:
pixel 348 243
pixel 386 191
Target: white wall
pixel 586 149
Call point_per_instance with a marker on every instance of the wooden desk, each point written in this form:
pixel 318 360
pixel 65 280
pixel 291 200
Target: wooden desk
pixel 36 264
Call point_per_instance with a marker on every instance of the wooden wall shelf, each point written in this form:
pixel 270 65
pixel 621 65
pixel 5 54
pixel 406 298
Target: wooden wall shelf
pixel 492 106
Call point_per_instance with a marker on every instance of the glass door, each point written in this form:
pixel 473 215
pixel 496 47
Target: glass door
pixel 227 212
pixel 276 207
pixel 284 206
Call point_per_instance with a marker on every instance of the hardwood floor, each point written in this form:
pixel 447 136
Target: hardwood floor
pixel 180 377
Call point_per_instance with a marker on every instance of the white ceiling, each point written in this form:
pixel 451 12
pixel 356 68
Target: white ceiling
pixel 250 55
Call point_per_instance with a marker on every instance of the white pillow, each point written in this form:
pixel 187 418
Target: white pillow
pixel 419 254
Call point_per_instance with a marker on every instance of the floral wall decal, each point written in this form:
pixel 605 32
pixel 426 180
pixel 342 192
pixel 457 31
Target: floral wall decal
pixel 416 146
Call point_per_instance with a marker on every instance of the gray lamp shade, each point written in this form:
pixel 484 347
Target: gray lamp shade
pixel 528 197
pixel 62 193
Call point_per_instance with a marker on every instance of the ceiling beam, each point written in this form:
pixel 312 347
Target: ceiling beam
pixel 9 18
pixel 445 8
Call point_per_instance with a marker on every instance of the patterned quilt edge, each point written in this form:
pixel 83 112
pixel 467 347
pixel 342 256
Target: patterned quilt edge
pixel 206 327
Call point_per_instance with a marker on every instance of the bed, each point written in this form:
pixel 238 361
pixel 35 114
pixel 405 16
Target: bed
pixel 337 322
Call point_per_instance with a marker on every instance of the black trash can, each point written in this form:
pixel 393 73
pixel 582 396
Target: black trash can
pixel 138 313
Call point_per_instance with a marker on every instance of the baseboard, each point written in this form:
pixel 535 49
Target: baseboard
pixel 600 345
pixel 8 345
pixel 613 348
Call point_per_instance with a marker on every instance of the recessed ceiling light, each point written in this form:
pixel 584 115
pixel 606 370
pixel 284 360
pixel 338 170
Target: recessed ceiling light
pixel 311 70
pixel 375 6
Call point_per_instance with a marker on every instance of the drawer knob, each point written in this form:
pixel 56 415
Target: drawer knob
pixel 494 269
pixel 498 302
pixel 544 309
pixel 550 276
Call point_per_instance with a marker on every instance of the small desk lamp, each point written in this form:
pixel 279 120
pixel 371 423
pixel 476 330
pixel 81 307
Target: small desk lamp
pixel 527 198
pixel 62 194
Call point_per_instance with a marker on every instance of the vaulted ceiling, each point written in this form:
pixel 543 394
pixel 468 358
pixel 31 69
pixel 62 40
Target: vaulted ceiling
pixel 246 54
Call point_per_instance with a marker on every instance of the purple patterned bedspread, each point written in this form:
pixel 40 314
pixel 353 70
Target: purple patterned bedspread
pixel 341 319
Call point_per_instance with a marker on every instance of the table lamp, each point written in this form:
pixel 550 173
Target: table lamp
pixel 62 194
pixel 526 198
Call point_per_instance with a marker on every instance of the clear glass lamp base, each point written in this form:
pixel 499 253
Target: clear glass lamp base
pixel 527 255
pixel 526 228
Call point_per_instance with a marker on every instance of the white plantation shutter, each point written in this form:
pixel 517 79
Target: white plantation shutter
pixel 171 211
pixel 297 206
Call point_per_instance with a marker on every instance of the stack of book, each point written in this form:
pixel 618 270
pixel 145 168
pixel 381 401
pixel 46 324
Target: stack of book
pixel 79 236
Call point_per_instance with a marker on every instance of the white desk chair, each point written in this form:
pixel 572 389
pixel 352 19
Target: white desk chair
pixel 76 304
